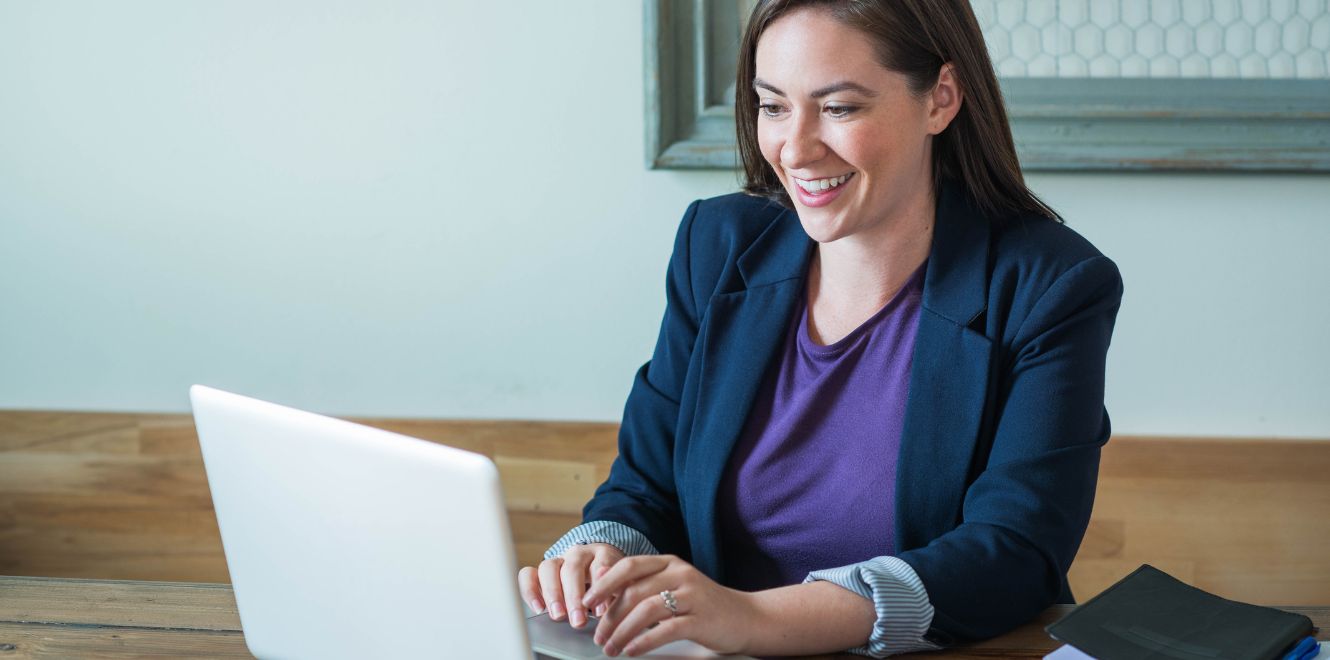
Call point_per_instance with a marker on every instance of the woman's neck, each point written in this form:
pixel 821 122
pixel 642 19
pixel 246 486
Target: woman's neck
pixel 871 266
pixel 852 278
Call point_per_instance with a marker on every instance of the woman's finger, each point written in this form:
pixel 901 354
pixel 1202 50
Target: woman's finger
pixel 550 588
pixel 669 630
pixel 526 585
pixel 573 577
pixel 644 591
pixel 625 572
pixel 648 611
pixel 605 557
pixel 597 570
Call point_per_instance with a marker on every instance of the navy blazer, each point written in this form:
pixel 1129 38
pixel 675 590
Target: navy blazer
pixel 1003 424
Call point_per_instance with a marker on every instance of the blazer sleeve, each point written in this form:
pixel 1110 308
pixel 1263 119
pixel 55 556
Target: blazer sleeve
pixel 640 491
pixel 1025 513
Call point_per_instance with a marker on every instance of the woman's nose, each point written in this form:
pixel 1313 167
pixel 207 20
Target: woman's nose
pixel 803 143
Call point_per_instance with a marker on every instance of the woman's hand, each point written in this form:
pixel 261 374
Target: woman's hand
pixel 560 582
pixel 711 615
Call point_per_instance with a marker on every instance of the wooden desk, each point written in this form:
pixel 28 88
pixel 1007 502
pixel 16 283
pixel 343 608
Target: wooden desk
pixel 62 618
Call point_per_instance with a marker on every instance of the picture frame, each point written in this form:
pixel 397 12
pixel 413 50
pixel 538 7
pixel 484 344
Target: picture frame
pixel 1059 124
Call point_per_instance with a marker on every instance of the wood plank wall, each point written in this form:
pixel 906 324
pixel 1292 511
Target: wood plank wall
pixel 124 496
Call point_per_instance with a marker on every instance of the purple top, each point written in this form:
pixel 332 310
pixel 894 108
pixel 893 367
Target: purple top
pixel 811 483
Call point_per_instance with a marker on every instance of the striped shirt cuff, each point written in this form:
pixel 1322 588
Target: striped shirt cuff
pixel 903 611
pixel 628 540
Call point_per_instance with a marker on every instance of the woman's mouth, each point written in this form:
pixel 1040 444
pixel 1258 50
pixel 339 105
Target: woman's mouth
pixel 820 192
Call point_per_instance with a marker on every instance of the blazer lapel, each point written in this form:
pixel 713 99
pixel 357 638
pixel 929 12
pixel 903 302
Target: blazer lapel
pixel 949 377
pixel 741 335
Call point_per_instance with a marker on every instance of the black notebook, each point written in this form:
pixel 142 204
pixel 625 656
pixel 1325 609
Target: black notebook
pixel 1152 616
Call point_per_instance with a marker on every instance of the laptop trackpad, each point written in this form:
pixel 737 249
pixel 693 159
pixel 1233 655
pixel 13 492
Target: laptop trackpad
pixel 557 639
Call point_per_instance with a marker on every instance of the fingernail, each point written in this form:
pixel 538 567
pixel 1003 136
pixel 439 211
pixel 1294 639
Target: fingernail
pixel 610 650
pixel 578 617
pixel 556 611
pixel 536 606
pixel 600 610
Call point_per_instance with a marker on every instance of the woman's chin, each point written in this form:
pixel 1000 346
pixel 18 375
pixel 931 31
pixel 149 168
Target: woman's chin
pixel 822 230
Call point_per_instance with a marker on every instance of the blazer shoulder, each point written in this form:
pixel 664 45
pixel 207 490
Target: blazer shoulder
pixel 1033 242
pixel 717 231
pixel 1040 263
pixel 1031 254
pixel 736 218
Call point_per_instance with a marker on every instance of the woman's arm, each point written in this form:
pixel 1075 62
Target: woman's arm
pixel 904 613
pixel 817 617
pixel 782 624
pixel 1023 517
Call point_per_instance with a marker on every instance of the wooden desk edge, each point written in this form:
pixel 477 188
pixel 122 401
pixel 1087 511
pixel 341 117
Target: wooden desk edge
pixel 199 611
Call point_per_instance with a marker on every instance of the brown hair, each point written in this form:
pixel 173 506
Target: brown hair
pixel 914 38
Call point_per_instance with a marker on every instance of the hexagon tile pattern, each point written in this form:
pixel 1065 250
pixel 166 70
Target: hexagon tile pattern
pixel 1157 38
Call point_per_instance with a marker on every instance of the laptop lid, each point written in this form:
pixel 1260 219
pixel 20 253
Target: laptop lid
pixel 347 541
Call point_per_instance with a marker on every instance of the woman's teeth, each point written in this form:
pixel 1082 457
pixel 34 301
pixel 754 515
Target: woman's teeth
pixel 818 185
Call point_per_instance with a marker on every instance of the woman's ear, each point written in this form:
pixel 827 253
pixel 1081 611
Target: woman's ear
pixel 944 101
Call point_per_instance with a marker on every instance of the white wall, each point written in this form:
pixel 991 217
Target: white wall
pixel 1225 318
pixel 441 210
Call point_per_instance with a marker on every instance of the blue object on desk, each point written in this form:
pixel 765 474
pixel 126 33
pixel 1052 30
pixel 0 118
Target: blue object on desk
pixel 1312 652
pixel 1305 650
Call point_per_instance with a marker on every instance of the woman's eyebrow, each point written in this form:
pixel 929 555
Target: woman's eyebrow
pixel 758 82
pixel 842 86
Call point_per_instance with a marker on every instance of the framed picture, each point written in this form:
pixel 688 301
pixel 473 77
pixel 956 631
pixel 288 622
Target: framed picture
pixel 1103 85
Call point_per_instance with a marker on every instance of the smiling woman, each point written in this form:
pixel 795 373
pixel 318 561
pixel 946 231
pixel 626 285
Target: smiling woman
pixel 875 409
pixel 978 149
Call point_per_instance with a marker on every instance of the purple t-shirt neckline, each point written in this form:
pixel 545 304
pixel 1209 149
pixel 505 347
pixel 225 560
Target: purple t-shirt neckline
pixel 811 481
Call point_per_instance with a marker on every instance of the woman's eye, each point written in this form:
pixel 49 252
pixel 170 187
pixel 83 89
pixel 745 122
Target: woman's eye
pixel 769 109
pixel 840 110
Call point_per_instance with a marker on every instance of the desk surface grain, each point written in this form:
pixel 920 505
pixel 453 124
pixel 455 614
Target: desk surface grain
pixel 62 618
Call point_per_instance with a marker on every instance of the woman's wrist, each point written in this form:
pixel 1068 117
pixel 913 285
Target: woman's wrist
pixel 753 621
pixel 805 619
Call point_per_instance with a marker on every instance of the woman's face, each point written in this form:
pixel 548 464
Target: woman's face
pixel 848 139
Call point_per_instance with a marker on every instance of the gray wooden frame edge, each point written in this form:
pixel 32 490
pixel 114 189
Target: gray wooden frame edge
pixel 679 133
pixel 1059 124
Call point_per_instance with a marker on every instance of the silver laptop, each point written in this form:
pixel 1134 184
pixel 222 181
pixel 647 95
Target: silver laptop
pixel 345 541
